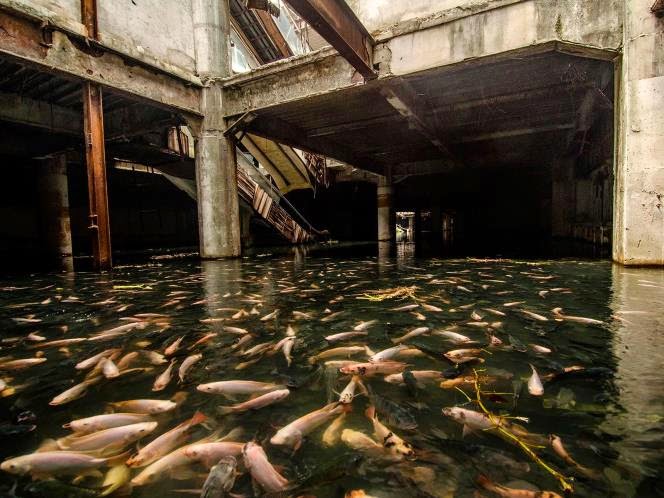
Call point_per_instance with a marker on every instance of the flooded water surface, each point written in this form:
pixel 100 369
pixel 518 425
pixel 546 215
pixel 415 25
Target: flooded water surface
pixel 459 378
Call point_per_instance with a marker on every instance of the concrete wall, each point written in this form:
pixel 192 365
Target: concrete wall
pixel 162 28
pixel 595 24
pixel 157 32
pixel 69 9
pixel 377 14
pixel 639 185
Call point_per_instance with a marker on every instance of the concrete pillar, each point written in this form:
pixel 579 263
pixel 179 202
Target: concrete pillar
pixel 216 163
pixel 384 191
pixel 638 215
pixel 54 212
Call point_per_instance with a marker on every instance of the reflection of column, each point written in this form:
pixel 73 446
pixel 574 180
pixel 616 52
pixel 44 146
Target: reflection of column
pixel 245 225
pixel 220 277
pixel 386 220
pixel 299 257
pixel 54 211
pixel 638 298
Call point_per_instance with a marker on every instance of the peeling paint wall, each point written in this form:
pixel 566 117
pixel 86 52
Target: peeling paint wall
pixel 162 28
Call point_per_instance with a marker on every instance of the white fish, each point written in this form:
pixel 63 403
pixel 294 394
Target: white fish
pixel 540 349
pixel 535 386
pixel 453 337
pixel 270 316
pixel 188 362
pixel 262 470
pixel 173 348
pixel 534 316
pixel 345 335
pixel 108 368
pixel 364 325
pixel 348 393
pixel 234 387
pixel 165 378
pixel 388 353
pixel 73 393
pixel 93 360
pixel 578 319
pixel 413 333
pixel 292 434
pixel 106 421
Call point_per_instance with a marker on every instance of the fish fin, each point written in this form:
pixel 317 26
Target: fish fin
pixel 225 410
pixel 361 385
pixel 296 447
pixel 466 431
pixel 370 412
pixel 232 435
pixel 87 473
pixel 118 459
pixel 369 351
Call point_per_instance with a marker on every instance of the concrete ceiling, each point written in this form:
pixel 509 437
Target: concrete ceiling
pixel 480 113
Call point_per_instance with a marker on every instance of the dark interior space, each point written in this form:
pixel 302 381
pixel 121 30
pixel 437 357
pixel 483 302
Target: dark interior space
pixel 346 209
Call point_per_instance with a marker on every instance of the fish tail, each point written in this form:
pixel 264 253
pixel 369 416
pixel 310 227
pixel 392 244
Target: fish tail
pixel 485 482
pixel 198 418
pixel 225 410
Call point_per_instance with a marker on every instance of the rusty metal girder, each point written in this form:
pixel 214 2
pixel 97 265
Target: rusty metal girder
pixel 93 124
pixel 89 18
pixel 337 24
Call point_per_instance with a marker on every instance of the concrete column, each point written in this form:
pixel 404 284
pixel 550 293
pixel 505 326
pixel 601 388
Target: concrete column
pixel 216 163
pixel 54 212
pixel 384 193
pixel 638 215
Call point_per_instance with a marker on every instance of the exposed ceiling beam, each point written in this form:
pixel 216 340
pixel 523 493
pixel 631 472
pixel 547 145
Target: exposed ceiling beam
pixel 337 23
pixel 273 33
pixel 124 122
pixel 483 137
pixel 50 51
pixel 404 99
pixel 26 111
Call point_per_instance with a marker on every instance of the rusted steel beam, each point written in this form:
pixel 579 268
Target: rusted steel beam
pixel 93 124
pixel 335 21
pixel 89 18
pixel 274 34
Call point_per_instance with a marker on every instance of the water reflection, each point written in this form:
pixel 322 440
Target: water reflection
pixel 637 302
pixel 610 421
